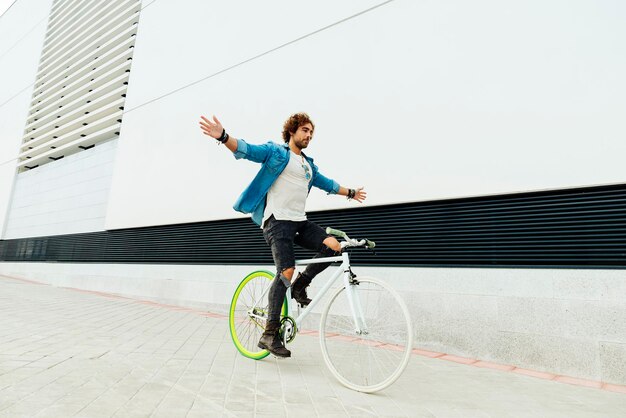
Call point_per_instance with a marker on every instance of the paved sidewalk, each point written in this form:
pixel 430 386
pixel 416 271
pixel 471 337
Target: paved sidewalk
pixel 66 353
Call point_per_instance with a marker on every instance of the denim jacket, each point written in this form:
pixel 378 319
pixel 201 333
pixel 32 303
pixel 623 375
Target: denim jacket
pixel 274 158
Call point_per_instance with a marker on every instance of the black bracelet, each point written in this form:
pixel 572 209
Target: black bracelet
pixel 351 193
pixel 224 137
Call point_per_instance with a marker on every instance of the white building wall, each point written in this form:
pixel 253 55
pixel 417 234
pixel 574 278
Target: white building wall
pixel 22 30
pixel 64 197
pixel 440 99
pixel 413 100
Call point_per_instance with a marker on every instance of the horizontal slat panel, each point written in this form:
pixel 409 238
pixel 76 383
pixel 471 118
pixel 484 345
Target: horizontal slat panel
pixel 81 47
pixel 76 114
pixel 93 135
pixel 80 28
pixel 529 230
pixel 81 63
pixel 63 11
pixel 79 124
pixel 81 84
pixel 104 84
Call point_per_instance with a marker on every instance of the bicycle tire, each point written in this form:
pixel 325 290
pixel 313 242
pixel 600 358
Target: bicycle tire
pixel 246 330
pixel 352 358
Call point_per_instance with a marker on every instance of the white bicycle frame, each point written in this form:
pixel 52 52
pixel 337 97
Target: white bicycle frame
pixel 356 309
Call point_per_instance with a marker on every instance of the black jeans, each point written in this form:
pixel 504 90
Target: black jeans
pixel 281 236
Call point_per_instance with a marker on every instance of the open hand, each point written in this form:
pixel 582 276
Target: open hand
pixel 213 129
pixel 360 195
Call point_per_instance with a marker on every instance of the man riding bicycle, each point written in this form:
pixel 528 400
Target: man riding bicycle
pixel 276 198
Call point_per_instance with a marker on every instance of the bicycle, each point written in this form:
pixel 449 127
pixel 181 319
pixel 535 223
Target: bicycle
pixel 365 329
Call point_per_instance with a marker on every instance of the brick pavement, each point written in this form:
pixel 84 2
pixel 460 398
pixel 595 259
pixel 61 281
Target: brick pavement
pixel 68 353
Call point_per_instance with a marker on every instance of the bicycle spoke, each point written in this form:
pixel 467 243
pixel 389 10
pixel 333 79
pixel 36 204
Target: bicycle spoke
pixel 249 334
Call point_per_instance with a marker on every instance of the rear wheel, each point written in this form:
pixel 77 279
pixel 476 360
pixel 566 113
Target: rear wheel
pixel 248 313
pixel 372 356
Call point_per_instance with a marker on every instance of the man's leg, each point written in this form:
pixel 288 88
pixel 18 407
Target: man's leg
pixel 279 235
pixel 276 295
pixel 313 237
pixel 270 340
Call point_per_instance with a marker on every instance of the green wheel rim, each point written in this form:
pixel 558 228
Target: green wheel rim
pixel 259 354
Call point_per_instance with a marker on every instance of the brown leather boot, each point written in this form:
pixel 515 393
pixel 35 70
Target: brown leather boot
pixel 270 340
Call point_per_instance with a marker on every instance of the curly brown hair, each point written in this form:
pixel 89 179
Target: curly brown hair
pixel 294 122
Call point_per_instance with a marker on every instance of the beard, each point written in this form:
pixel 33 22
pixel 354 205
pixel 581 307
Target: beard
pixel 302 144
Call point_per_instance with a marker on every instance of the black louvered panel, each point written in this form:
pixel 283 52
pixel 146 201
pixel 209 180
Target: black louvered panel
pixel 579 228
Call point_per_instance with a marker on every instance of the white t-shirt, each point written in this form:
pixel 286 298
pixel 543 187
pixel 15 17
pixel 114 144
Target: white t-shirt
pixel 286 198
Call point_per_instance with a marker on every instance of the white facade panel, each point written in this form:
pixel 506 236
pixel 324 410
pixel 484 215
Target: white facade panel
pixel 22 29
pixel 69 196
pixel 23 20
pixel 206 37
pixel 12 116
pixel 413 100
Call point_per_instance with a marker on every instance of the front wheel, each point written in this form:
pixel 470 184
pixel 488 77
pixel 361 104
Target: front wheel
pixel 369 352
pixel 248 313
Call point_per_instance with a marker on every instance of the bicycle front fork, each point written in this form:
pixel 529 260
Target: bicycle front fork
pixel 351 285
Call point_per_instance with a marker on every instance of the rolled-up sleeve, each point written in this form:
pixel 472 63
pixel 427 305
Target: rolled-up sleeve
pixel 328 185
pixel 256 153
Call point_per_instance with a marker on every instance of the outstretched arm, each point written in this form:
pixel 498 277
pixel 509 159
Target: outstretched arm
pixel 214 129
pixel 359 194
pixel 332 187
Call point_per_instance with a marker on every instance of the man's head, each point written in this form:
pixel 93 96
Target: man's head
pixel 298 128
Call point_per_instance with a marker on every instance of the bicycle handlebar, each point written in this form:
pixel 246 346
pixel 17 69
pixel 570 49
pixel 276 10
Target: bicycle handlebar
pixel 369 244
pixel 364 242
pixel 335 232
